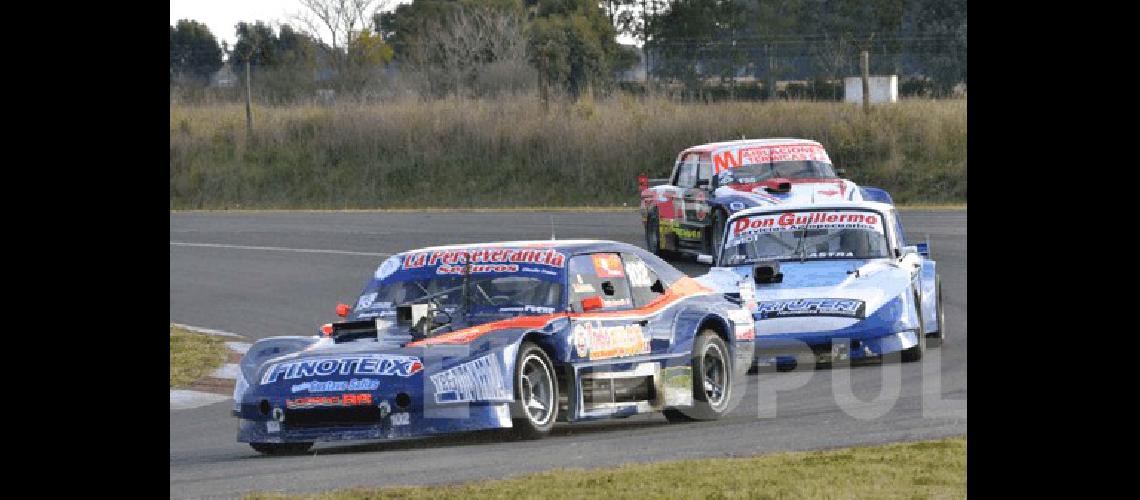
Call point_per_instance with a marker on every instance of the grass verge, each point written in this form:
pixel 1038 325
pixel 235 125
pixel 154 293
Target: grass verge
pixel 193 355
pixel 467 153
pixel 924 469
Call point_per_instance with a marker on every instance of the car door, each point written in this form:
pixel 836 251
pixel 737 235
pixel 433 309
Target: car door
pixel 647 290
pixel 604 325
pixel 695 188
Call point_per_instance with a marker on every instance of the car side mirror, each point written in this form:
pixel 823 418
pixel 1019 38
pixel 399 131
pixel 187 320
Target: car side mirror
pixel 840 171
pixel 657 287
pixel 923 249
pixel 907 250
pixel 702 183
pixel 705 259
pixel 342 310
pixel 592 303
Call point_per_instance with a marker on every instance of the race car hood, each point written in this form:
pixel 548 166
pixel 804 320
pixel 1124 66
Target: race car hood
pixel 866 285
pixel 802 190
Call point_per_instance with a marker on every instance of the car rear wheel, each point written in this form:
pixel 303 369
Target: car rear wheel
pixel 712 377
pixel 536 393
pixel 653 234
pixel 716 235
pixel 281 448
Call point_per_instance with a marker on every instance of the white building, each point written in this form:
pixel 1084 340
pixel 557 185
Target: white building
pixel 883 89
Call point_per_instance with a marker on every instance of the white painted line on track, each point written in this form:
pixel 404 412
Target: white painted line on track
pixel 185 399
pixel 228 370
pixel 278 249
pixel 238 347
pixel 182 399
pixel 207 331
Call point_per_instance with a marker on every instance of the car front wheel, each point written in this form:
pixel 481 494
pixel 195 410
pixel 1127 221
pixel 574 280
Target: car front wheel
pixel 712 378
pixel 536 393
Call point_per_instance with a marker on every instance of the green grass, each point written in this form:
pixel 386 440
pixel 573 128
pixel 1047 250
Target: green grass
pixel 509 152
pixel 193 355
pixel 924 469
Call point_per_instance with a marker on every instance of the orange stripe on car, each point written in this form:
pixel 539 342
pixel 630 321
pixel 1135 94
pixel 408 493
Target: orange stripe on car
pixel 684 288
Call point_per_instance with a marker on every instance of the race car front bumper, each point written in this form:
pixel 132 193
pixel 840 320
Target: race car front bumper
pixel 829 348
pixel 281 427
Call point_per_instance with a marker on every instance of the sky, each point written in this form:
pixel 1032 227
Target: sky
pixel 222 15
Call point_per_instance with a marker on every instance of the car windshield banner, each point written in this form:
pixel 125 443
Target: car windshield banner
pixel 776 222
pixel 545 262
pixel 751 155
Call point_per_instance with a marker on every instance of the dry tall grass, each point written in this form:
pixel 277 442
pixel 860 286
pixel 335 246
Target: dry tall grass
pixel 509 152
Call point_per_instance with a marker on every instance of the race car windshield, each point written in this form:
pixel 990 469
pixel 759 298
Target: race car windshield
pixel 805 235
pixel 513 294
pixel 759 172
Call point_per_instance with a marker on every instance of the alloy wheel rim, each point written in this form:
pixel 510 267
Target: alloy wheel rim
pixel 714 375
pixel 537 391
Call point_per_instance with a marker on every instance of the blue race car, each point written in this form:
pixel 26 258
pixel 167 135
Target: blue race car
pixel 834 281
pixel 501 335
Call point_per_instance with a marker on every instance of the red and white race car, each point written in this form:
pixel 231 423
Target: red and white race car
pixel 686 213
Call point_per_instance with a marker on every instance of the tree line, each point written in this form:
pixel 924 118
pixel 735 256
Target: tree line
pixel 438 48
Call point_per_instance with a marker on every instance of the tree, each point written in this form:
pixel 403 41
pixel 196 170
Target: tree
pixel 283 64
pixel 194 52
pixel 697 39
pixel 938 28
pixel 572 45
pixel 342 20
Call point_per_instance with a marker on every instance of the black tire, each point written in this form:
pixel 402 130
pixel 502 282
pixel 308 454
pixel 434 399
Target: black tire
pixel 716 234
pixel 535 407
pixel 281 448
pixel 653 234
pixel 915 353
pixel 711 363
pixel 937 340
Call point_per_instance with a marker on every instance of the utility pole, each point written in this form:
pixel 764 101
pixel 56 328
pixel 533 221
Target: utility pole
pixel 248 104
pixel 866 81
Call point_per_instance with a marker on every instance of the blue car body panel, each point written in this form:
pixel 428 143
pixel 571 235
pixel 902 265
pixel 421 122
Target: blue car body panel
pixel 304 389
pixel 898 297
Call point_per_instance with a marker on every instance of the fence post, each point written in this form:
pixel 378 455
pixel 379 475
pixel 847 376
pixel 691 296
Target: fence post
pixel 866 81
pixel 248 110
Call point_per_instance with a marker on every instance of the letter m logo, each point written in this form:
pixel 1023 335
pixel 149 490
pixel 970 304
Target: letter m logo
pixel 725 161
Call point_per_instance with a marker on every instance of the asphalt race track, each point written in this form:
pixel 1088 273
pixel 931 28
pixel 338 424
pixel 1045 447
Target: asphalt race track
pixel 261 274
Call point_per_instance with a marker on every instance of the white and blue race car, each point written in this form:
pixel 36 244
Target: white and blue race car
pixel 834 281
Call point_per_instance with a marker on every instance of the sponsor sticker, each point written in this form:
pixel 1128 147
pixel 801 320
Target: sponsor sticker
pixel 361 384
pixel 582 287
pixel 306 402
pixel 476 380
pixel 744 227
pixel 366 364
pixel 387 268
pixel 489 256
pixel 365 301
pixel 594 341
pixel 528 309
pixel 845 308
pixel 608 265
pixel 752 155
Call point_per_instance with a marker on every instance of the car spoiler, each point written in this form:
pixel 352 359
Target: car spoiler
pixel 644 182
